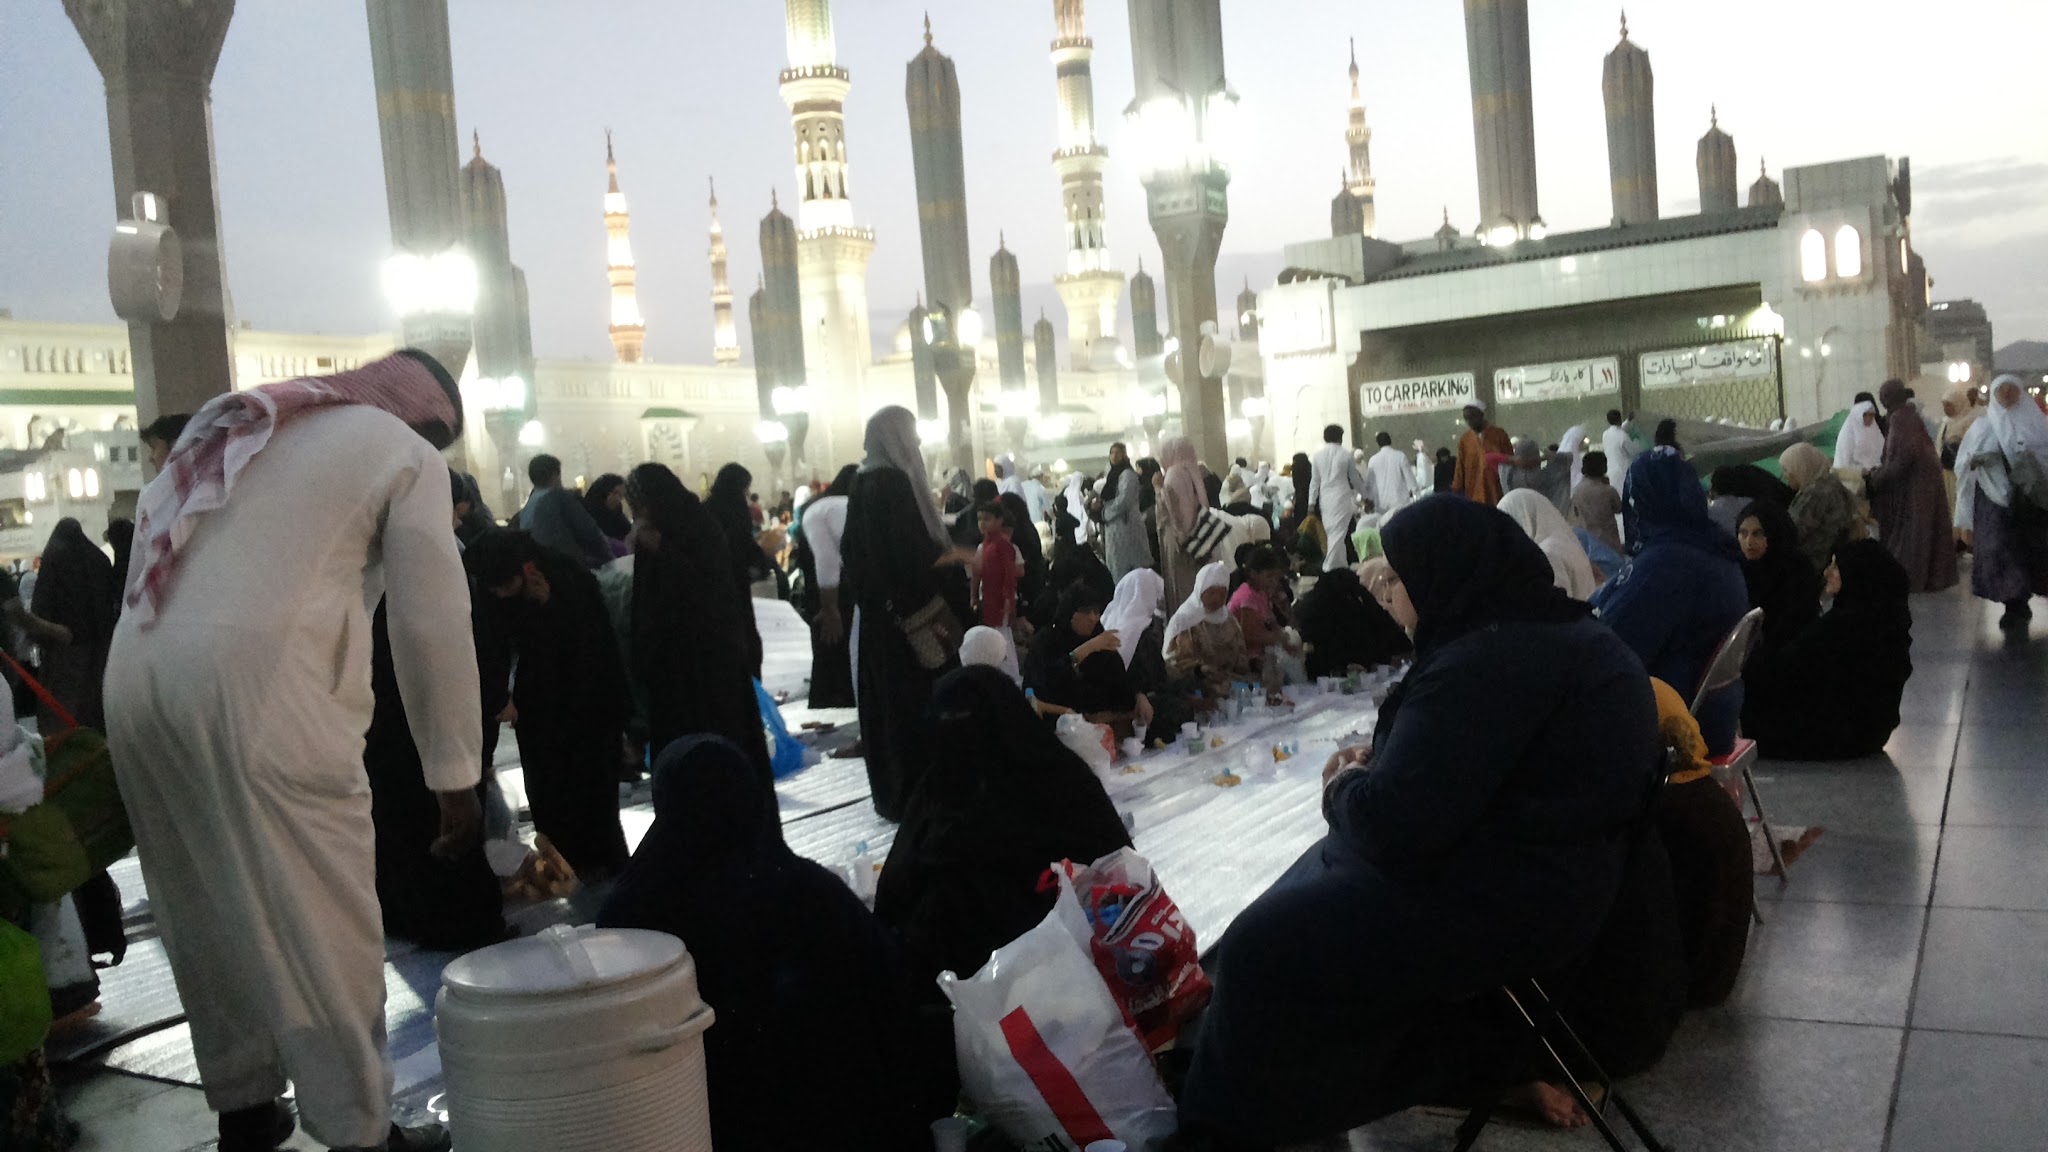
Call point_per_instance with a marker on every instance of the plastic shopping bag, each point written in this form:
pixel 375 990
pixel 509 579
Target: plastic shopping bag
pixel 1095 744
pixel 1043 1049
pixel 1144 949
pixel 785 752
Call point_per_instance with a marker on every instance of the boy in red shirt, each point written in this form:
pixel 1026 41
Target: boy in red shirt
pixel 995 567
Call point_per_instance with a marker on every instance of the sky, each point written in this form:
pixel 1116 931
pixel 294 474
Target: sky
pixel 688 88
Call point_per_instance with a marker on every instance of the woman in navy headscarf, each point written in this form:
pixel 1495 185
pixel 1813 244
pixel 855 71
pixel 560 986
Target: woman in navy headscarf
pixel 1460 855
pixel 1683 590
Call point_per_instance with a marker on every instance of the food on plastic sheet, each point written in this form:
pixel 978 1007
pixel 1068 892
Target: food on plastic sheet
pixel 1043 1048
pixel 1144 949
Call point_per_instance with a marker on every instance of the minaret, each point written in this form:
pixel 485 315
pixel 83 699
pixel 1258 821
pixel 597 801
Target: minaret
pixel 761 333
pixel 931 89
pixel 1046 355
pixel 629 331
pixel 832 250
pixel 1447 237
pixel 1358 139
pixel 1247 313
pixel 782 309
pixel 501 326
pixel 1347 215
pixel 1716 163
pixel 1090 287
pixel 1145 338
pixel 1765 193
pixel 725 338
pixel 1006 295
pixel 1503 117
pixel 1629 89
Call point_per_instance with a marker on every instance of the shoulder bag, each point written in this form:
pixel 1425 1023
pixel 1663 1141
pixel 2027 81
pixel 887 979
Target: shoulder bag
pixel 1208 534
pixel 933 632
pixel 79 829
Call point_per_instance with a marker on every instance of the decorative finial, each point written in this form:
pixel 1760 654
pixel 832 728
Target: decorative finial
pixel 1354 54
pixel 927 28
pixel 774 200
pixel 1762 168
pixel 1624 23
pixel 1714 110
pixel 608 147
pixel 476 141
pixel 1447 215
pixel 1001 242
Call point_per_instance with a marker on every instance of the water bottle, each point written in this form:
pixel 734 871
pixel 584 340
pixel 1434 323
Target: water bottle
pixel 863 873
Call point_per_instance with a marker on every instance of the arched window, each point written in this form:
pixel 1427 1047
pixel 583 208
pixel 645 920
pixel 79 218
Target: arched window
pixel 1813 256
pixel 1848 252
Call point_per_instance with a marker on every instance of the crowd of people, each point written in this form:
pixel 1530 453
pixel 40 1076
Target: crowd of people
pixel 613 628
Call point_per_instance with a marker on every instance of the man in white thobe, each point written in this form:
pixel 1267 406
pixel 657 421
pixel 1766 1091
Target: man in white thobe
pixel 238 694
pixel 1336 487
pixel 1619 446
pixel 1389 481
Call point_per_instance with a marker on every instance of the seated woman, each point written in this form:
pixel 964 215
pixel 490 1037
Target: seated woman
pixel 1476 843
pixel 988 647
pixel 1570 570
pixel 1823 509
pixel 1833 692
pixel 1002 800
pixel 1133 614
pixel 1202 641
pixel 1343 626
pixel 1682 592
pixel 820 975
pixel 1072 562
pixel 1707 840
pixel 1074 665
pixel 1781 581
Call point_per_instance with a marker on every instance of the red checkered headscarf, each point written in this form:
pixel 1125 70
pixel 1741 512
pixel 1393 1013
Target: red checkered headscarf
pixel 228 432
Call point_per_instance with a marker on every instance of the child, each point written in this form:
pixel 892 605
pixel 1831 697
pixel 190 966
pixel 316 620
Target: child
pixel 996 567
pixel 1596 505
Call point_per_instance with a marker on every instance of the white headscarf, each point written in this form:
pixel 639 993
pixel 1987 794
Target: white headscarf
pixel 1858 446
pixel 986 646
pixel 1544 524
pixel 1131 610
pixel 1192 612
pixel 2010 432
pixel 2022 428
pixel 892 443
pixel 1077 506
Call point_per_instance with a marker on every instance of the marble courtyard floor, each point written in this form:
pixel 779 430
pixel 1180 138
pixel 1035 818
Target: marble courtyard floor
pixel 1895 998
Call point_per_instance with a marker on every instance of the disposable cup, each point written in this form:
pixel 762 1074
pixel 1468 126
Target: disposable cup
pixel 950 1135
pixel 1133 748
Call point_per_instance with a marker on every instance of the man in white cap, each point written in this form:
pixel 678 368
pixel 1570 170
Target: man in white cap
pixel 237 695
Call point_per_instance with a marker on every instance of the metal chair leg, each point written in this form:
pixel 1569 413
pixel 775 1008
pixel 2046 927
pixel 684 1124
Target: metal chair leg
pixel 1770 834
pixel 1475 1123
pixel 1628 1113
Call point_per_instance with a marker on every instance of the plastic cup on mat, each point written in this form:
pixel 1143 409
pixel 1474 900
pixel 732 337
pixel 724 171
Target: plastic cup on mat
pixel 950 1134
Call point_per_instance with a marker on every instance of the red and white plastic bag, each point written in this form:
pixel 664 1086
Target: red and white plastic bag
pixel 1044 1050
pixel 1142 947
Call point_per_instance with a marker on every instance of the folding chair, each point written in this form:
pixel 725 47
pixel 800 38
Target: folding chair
pixel 1533 1005
pixel 1723 672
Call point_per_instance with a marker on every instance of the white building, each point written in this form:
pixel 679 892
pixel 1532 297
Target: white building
pixel 1786 307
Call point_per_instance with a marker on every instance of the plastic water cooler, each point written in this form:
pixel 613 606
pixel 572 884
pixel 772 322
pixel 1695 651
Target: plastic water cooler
pixel 575 1040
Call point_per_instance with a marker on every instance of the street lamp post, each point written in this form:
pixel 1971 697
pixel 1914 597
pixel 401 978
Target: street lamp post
pixel 1183 114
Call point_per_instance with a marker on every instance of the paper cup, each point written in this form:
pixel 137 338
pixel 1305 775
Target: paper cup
pixel 1133 748
pixel 950 1135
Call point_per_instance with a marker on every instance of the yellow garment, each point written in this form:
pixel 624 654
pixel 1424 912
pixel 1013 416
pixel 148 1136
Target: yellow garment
pixel 1680 733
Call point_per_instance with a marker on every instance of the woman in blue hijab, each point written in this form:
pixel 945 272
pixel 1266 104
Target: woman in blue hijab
pixel 1682 591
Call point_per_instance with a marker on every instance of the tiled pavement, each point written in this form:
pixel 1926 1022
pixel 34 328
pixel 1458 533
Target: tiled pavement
pixel 1896 998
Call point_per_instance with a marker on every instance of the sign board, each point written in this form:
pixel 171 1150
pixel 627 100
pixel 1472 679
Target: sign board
pixel 1710 364
pixel 1298 319
pixel 1417 394
pixel 1567 380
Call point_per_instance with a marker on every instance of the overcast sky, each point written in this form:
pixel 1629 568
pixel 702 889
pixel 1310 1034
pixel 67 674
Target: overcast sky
pixel 689 89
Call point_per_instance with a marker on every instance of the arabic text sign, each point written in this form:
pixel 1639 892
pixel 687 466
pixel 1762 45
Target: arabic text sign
pixel 1563 381
pixel 1418 394
pixel 1710 364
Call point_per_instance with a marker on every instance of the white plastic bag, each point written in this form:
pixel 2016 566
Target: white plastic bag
pixel 1043 1049
pixel 1095 744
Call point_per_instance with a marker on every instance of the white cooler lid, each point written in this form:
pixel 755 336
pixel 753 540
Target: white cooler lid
pixel 564 958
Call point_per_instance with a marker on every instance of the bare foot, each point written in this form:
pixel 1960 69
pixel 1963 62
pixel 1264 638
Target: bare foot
pixel 1552 1104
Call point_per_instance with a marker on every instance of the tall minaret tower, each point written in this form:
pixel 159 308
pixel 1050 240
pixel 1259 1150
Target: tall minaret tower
pixel 725 338
pixel 1715 160
pixel 1090 287
pixel 629 331
pixel 1629 89
pixel 1358 138
pixel 832 251
pixel 1503 117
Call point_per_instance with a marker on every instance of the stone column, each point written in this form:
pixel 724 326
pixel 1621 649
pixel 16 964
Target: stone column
pixel 1188 213
pixel 157 60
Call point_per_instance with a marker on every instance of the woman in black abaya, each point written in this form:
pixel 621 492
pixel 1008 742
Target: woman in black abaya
pixel 897 562
pixel 691 640
pixel 817 555
pixel 76 588
pixel 786 954
pixel 727 505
